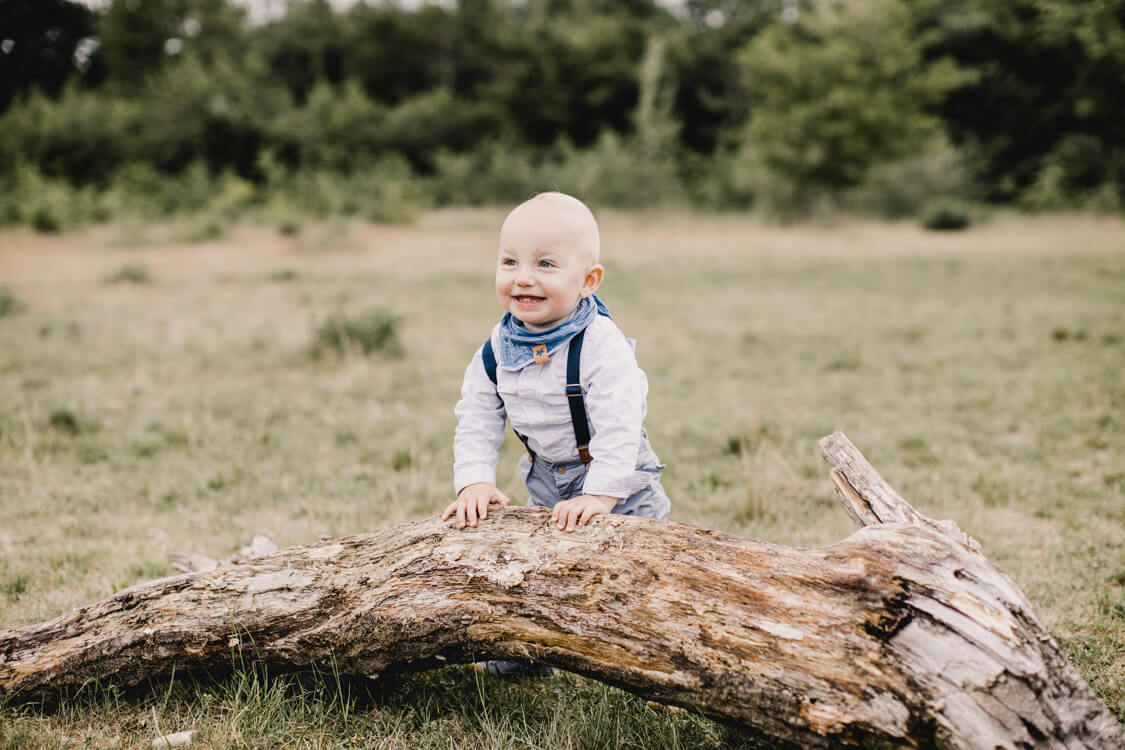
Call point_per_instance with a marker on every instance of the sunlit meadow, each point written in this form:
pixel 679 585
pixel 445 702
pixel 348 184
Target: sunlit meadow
pixel 160 397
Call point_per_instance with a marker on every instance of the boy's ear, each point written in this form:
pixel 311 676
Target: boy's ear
pixel 593 279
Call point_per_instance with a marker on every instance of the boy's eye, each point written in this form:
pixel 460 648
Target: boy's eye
pixel 508 262
pixel 545 264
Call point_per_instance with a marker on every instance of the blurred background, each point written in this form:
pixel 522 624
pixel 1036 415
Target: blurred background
pixel 381 110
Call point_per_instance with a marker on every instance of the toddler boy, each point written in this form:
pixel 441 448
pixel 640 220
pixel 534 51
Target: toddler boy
pixel 587 450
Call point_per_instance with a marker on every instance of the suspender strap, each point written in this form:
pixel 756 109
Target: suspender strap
pixel 489 358
pixel 573 393
pixel 523 439
pixel 575 400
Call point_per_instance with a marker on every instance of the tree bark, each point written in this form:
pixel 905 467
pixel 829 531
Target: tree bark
pixel 902 633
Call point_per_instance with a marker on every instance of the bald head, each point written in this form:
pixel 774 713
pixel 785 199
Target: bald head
pixel 548 260
pixel 568 218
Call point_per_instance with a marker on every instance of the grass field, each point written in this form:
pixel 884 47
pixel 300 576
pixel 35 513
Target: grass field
pixel 159 397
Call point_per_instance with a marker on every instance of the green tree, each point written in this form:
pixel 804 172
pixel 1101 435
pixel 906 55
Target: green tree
pixel 711 98
pixel 398 53
pixel 1045 105
pixel 571 70
pixel 213 30
pixel 43 44
pixel 1094 149
pixel 426 123
pixel 337 128
pixel 138 37
pixel 305 46
pixel 841 89
pixel 80 136
pixel 217 114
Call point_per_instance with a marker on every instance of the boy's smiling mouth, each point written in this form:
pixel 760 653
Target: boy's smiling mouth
pixel 526 299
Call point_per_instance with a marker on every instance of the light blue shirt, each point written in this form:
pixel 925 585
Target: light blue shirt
pixel 534 399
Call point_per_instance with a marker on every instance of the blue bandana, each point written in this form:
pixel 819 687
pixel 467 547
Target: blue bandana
pixel 520 347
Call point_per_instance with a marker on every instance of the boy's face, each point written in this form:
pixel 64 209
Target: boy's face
pixel 545 267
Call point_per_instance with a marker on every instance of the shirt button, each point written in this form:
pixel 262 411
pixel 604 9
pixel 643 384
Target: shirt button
pixel 561 469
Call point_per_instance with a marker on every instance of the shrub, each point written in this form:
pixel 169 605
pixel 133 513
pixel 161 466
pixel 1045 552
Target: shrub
pixel 64 420
pixel 133 273
pixel 491 173
pixel 206 113
pixel 392 194
pixel 375 331
pixel 10 304
pixel 619 171
pixel 1082 159
pixel 1079 173
pixel 946 215
pixel 138 189
pixel 336 126
pixel 46 219
pixel 201 229
pixel 15 586
pixel 903 188
pixel 721 181
pixel 230 196
pixel 421 125
pixel 616 171
pixel 289 227
pixel 46 204
pixel 402 460
pixel 81 134
pixel 1048 192
pixel 385 190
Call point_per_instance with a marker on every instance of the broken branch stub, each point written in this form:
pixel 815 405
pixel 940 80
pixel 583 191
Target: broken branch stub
pixel 903 632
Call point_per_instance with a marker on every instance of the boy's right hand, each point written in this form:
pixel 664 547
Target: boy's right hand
pixel 473 502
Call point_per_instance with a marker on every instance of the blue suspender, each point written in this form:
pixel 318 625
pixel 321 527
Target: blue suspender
pixel 574 395
pixel 489 358
pixel 575 400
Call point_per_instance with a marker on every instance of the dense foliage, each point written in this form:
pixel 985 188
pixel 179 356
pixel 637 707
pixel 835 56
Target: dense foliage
pixel 879 105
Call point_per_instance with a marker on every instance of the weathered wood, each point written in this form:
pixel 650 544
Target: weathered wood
pixel 867 497
pixel 188 562
pixel 903 632
pixel 991 675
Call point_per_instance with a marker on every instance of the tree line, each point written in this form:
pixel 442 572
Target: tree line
pixel 875 104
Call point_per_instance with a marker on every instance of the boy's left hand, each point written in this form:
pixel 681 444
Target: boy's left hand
pixel 579 510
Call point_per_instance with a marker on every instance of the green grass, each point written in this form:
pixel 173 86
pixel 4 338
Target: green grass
pixel 443 708
pixel 132 273
pixel 9 303
pixel 374 331
pixel 979 371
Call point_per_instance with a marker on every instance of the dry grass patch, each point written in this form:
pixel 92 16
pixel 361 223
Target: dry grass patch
pixel 979 371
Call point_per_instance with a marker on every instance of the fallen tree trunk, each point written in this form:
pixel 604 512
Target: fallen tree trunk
pixel 903 632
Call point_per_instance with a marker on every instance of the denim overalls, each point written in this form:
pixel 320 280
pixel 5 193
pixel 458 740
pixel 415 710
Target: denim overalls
pixel 551 483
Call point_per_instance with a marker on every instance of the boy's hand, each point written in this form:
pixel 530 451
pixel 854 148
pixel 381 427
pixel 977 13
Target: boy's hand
pixel 473 503
pixel 579 510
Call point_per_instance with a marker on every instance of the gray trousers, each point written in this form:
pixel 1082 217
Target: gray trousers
pixel 551 483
